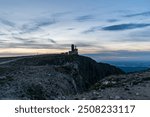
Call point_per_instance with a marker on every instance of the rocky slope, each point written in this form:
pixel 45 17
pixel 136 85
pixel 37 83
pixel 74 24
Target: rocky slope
pixel 134 86
pixel 50 76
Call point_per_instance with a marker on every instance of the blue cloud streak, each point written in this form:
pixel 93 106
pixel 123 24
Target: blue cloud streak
pixel 121 27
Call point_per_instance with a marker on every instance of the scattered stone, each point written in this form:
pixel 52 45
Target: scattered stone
pixel 105 82
pixel 117 97
pixel 99 96
pixel 95 93
pixel 49 74
pixel 113 82
pixel 63 97
pixel 110 97
pixel 137 94
pixel 2 77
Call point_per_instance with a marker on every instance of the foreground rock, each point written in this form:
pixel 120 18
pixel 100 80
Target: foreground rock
pixel 128 87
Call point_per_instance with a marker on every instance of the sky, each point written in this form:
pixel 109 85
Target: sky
pixel 101 29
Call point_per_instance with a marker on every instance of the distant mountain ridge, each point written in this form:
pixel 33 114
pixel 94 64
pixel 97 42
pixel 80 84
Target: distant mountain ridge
pixel 131 66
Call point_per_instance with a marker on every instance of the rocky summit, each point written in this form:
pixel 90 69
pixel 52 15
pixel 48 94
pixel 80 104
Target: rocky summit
pixel 73 77
pixel 55 76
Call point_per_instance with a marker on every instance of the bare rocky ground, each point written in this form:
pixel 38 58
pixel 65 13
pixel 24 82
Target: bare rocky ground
pixel 61 77
pixel 135 86
pixel 35 82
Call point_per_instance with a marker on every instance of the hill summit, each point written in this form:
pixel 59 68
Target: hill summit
pixel 51 76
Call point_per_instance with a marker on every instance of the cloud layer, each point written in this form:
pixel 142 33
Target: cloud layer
pixel 84 18
pixel 146 14
pixel 98 26
pixel 121 55
pixel 121 27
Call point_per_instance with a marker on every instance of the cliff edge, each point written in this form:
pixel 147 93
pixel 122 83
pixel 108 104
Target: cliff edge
pixel 51 76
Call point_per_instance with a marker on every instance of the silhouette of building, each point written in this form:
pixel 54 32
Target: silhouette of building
pixel 74 50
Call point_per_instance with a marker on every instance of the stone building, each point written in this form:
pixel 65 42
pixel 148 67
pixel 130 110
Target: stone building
pixel 74 50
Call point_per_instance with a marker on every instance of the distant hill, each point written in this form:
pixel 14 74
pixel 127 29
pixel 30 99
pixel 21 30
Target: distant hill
pixel 131 66
pixel 50 76
pixel 133 69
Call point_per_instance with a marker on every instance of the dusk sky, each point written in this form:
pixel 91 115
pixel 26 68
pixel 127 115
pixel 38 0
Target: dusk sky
pixel 101 29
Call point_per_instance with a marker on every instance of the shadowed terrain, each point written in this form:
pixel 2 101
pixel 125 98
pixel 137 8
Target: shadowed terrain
pixel 134 86
pixel 50 76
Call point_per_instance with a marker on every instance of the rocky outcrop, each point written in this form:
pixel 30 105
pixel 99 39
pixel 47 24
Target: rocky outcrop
pixel 133 86
pixel 51 76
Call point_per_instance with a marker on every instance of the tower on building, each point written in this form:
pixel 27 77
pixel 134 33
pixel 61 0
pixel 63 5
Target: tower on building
pixel 74 50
